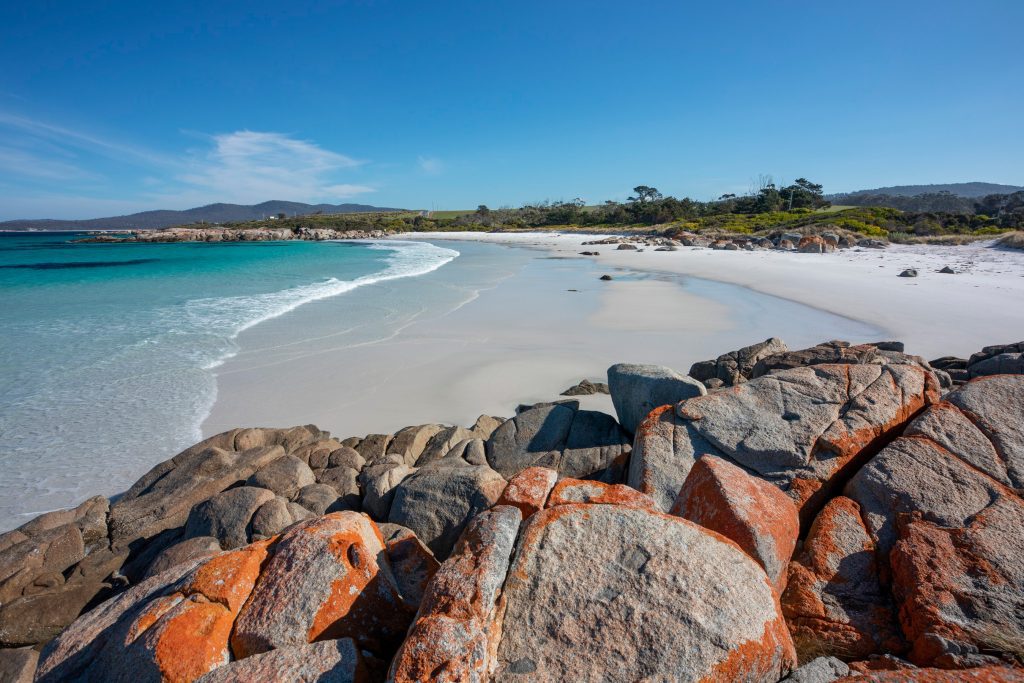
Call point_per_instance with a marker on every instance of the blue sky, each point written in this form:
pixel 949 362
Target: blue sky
pixel 116 107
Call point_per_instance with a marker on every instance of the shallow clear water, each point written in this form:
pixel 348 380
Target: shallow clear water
pixel 107 351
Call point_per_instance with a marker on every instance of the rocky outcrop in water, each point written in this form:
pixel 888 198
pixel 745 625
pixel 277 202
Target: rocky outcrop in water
pixel 219 234
pixel 836 511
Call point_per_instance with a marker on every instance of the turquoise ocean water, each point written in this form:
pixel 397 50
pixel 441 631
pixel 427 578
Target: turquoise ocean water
pixel 108 350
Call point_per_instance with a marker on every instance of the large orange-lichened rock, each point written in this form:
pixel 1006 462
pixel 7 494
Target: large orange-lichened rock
pixel 459 619
pixel 961 590
pixel 804 429
pixel 170 627
pixel 327 578
pixel 943 505
pixel 754 514
pixel 324 579
pixel 529 489
pixel 569 491
pixel 833 602
pixel 616 593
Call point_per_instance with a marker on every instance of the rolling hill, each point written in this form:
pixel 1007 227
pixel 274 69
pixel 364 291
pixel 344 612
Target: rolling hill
pixel 969 190
pixel 211 213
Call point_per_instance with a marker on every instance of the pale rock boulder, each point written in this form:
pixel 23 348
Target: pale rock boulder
pixel 163 498
pixel 345 481
pixel 284 476
pixel 346 457
pixel 757 516
pixel 379 488
pixel 226 516
pixel 317 498
pixel 188 550
pixel 441 443
pixel 374 447
pixel 735 367
pixel 327 578
pixel 804 429
pixel 410 442
pixel 583 444
pixel 834 602
pixel 328 661
pixel 453 637
pixel 465 452
pixel 28 557
pixel 485 426
pixel 819 670
pixel 664 450
pixel 646 596
pixel 952 462
pixel 270 519
pixel 436 502
pixel 636 390
pixel 317 453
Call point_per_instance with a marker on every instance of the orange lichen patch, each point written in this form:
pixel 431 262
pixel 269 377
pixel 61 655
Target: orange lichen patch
pixel 648 424
pixel 151 614
pixel 350 550
pixel 440 648
pixel 529 489
pixel 803 492
pixel 756 660
pixel 569 491
pixel 985 674
pixel 756 515
pixel 191 642
pixel 937 571
pixel 833 602
pixel 228 578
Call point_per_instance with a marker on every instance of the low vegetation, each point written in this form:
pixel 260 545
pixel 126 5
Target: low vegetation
pixel 799 207
pixel 1013 240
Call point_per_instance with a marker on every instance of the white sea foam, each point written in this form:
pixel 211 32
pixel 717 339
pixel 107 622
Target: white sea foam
pixel 234 315
pixel 142 385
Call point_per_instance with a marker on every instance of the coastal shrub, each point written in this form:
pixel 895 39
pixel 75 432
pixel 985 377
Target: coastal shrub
pixel 861 227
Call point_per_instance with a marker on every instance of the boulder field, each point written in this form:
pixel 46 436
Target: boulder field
pixel 843 512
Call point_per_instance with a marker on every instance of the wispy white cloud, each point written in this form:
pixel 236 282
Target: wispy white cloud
pixel 55 161
pixel 251 166
pixel 78 139
pixel 430 165
pixel 26 162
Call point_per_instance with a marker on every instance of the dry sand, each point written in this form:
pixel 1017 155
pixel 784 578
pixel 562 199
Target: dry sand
pixel 935 314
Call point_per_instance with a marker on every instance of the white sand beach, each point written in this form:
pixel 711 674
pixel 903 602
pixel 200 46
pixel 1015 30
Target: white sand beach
pixel 934 314
pixel 546 321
